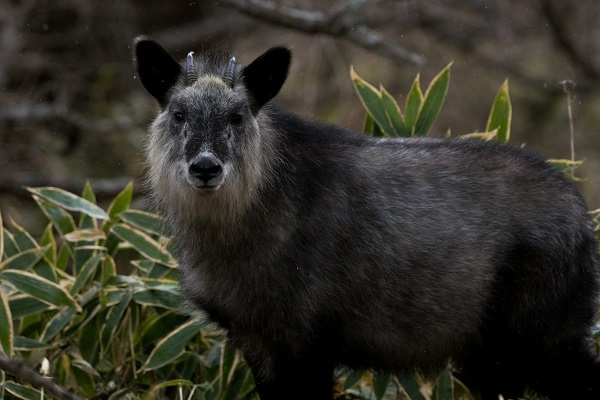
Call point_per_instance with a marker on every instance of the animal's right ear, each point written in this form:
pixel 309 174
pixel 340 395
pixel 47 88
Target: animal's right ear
pixel 157 70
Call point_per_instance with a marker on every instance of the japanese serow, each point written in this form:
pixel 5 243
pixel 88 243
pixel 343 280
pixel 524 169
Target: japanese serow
pixel 315 246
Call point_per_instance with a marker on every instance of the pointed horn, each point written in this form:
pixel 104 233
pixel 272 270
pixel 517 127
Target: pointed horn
pixel 190 69
pixel 229 74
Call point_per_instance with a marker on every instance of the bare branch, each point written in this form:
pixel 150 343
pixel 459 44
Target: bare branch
pixel 341 23
pixel 28 375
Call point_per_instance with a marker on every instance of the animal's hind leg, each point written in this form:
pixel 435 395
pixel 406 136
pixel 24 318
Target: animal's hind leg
pixel 569 371
pixel 490 374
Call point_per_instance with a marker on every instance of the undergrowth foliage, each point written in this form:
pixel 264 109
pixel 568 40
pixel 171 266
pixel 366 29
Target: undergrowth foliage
pixel 96 294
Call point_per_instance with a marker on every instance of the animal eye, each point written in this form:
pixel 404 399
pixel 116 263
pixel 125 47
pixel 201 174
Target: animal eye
pixel 179 116
pixel 236 119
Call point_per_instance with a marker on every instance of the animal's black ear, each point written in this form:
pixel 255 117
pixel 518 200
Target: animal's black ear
pixel 157 70
pixel 264 76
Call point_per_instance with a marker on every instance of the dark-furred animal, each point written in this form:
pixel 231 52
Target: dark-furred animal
pixel 316 246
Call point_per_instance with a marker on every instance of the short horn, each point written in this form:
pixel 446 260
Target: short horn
pixel 229 75
pixel 191 74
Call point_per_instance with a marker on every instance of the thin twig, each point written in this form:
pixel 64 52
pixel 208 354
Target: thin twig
pixel 342 23
pixel 28 375
pixel 568 87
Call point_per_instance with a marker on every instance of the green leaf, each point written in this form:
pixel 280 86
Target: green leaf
pixel 23 260
pixel 159 326
pixel 480 135
pixel 380 384
pixel 113 319
pixel 1 238
pixel 6 325
pixel 412 105
pixel 121 202
pixel 563 164
pixel 22 392
pixel 23 239
pixel 411 386
pixel 22 306
pixel 371 100
pixel 143 243
pixel 159 297
pixel 152 393
pixel 433 101
pixel 172 345
pixel 148 222
pixel 23 343
pixel 85 275
pixel 10 246
pixel 392 110
pixel 62 220
pixel 444 388
pixel 57 324
pixel 501 114
pixel 109 269
pixel 353 378
pixel 40 288
pixel 47 240
pixel 85 235
pixel 69 201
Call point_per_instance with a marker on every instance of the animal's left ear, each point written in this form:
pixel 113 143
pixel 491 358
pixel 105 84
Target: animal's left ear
pixel 265 76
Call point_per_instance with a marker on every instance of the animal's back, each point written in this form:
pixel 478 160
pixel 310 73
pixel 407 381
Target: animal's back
pixel 424 238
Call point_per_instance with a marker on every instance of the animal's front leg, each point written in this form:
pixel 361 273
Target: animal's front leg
pixel 282 374
pixel 295 379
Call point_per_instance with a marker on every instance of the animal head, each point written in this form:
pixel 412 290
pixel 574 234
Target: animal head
pixel 208 148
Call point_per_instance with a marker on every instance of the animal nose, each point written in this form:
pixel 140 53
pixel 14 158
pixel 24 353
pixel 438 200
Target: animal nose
pixel 206 167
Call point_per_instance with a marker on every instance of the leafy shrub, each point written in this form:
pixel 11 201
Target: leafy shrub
pixel 96 294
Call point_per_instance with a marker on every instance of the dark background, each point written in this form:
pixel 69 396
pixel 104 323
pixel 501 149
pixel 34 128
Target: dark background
pixel 71 108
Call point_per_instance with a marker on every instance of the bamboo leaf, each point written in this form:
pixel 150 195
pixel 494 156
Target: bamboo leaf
pixel 109 269
pixel 6 325
pixel 371 100
pixel 114 318
pixel 380 384
pixel 393 112
pixel 10 246
pixel 1 238
pixel 23 305
pixel 121 202
pixel 433 101
pixel 23 260
pixel 22 392
pixel 69 201
pixel 157 297
pixel 23 239
pixel 444 388
pixel 23 343
pixel 40 288
pixel 501 114
pixel 411 386
pixel 481 135
pixel 172 345
pixel 85 275
pixel 412 105
pixel 57 324
pixel 62 220
pixel 143 243
pixel 148 222
pixel 85 235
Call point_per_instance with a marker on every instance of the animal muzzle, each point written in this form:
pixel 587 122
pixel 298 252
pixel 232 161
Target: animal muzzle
pixel 205 171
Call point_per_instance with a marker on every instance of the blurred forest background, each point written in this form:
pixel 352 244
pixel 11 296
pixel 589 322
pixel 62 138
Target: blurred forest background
pixel 71 108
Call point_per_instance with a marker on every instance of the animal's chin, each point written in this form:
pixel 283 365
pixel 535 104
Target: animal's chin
pixel 206 190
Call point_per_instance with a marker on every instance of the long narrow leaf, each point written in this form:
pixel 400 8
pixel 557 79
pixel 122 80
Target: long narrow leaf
pixel 500 117
pixel 40 288
pixel 6 325
pixel 172 345
pixel 371 100
pixel 143 243
pixel 412 105
pixel 433 101
pixel 69 201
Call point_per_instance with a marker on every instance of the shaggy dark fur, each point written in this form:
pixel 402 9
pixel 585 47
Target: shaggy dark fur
pixel 323 247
